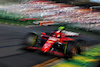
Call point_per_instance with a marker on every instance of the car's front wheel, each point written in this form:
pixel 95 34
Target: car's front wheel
pixel 30 40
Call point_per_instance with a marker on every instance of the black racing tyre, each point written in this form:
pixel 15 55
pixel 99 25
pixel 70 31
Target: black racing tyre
pixel 30 40
pixel 82 44
pixel 72 49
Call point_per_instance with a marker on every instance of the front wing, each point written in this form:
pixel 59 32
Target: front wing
pixel 50 51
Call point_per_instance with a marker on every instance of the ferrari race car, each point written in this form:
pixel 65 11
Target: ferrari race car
pixel 59 42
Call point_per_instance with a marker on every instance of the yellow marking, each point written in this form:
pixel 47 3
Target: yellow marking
pixel 79 57
pixel 93 60
pixel 65 65
pixel 46 62
pixel 84 59
pixel 92 54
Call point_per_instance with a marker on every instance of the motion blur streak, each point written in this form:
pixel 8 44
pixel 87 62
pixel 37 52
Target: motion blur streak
pixel 43 64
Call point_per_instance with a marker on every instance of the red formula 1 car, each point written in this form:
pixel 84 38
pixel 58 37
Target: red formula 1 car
pixel 59 42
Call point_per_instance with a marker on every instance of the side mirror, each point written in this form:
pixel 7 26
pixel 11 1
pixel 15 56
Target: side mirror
pixel 43 33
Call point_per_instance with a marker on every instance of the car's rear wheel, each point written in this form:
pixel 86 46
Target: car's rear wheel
pixel 30 40
pixel 82 44
pixel 72 49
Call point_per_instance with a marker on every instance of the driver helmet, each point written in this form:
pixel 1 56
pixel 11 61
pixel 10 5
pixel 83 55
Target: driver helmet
pixel 61 28
pixel 59 31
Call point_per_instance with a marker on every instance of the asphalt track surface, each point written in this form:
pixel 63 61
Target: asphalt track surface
pixel 11 54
